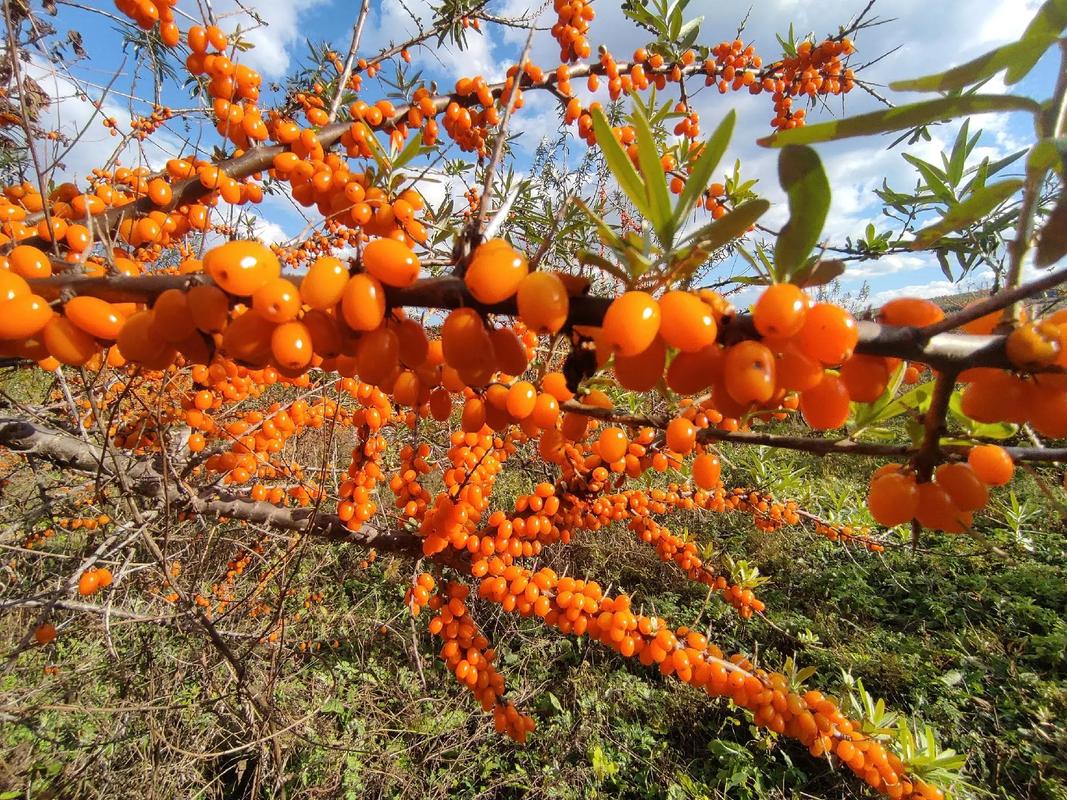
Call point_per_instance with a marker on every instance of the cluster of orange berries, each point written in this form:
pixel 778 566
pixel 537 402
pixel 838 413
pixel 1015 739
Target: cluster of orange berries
pixel 418 596
pixel 468 655
pixel 579 607
pixel 816 69
pixel 948 501
pixel 146 13
pixel 93 580
pixel 571 28
pixel 146 126
pixel 412 498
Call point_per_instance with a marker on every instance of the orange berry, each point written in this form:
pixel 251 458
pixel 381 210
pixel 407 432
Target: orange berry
pixel 910 311
pixel 829 334
pixel 495 272
pixel 780 311
pixel 241 267
pixel 748 371
pixel 391 262
pixel 681 435
pixel 94 316
pixel 687 322
pixel 825 406
pixel 276 301
pixel 290 343
pixel 893 499
pixel 964 487
pixel 632 322
pixel 324 283
pixel 991 464
pixel 543 302
pixel 29 262
pixel 706 471
pixel 363 303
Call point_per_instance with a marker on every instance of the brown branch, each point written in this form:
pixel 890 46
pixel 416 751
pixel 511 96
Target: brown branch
pixel 346 73
pixel 807 445
pixel 944 351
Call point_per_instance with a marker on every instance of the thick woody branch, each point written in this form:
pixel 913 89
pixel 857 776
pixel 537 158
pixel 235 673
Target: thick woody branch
pixel 944 351
pixel 70 452
pixel 802 444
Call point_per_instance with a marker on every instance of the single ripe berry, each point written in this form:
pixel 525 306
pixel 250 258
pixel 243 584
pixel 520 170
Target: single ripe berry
pixel 706 471
pixel 29 262
pixel 681 435
pixel 991 464
pixel 521 399
pixel 642 372
pixel 749 374
pixel 780 311
pixel 893 499
pixel 88 582
pixel 24 316
pixel 632 322
pixel 391 262
pixel 543 302
pixel 910 311
pixel 865 377
pixel 324 283
pixel 1033 345
pixel 363 303
pixel 495 272
pixel 826 405
pixel 686 322
pixel 241 267
pixel 94 316
pixel 290 343
pixel 45 633
pixel 613 444
pixel 964 487
pixel 829 334
pixel 12 286
pixel 276 301
pixel 68 343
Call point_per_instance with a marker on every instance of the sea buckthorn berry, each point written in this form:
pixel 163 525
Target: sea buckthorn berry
pixel 642 372
pixel 936 510
pixel 241 267
pixel 324 283
pixel 495 272
pixel 68 343
pixel 748 370
pixel 45 634
pixel 865 377
pixel 290 343
pixel 686 322
pixel 88 582
pixel 509 354
pixel 829 334
pixel 681 435
pixel 826 405
pixel 210 308
pixel 910 311
pixel 992 464
pixel 893 499
pixel 612 444
pixel 706 471
pixel 391 262
pixel 465 341
pixel 631 323
pixel 173 320
pixel 964 487
pixel 543 302
pixel 521 399
pixel 796 371
pixel 94 316
pixel 780 311
pixel 1033 345
pixel 12 286
pixel 24 316
pixel 29 262
pixel 276 301
pixel 363 303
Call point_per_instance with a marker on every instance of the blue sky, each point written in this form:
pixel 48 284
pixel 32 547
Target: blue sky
pixel 933 35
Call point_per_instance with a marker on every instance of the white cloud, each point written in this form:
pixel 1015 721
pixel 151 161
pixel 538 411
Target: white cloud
pixel 273 26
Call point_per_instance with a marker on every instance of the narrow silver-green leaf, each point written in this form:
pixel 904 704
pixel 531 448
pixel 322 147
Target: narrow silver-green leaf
pixel 705 165
pixel 619 163
pixel 715 235
pixel 1045 27
pixel 802 177
pixel 819 272
pixel 1052 244
pixel 902 118
pixel 980 203
pixel 659 199
pixel 1021 56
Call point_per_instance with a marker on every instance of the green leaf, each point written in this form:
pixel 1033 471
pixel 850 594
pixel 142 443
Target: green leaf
pixel 902 118
pixel 1045 28
pixel 980 203
pixel 607 235
pixel 705 165
pixel 933 177
pixel 801 174
pixel 818 272
pixel 601 263
pixel 659 199
pixel 411 150
pixel 711 237
pixel 1052 244
pixel 1019 56
pixel 619 163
